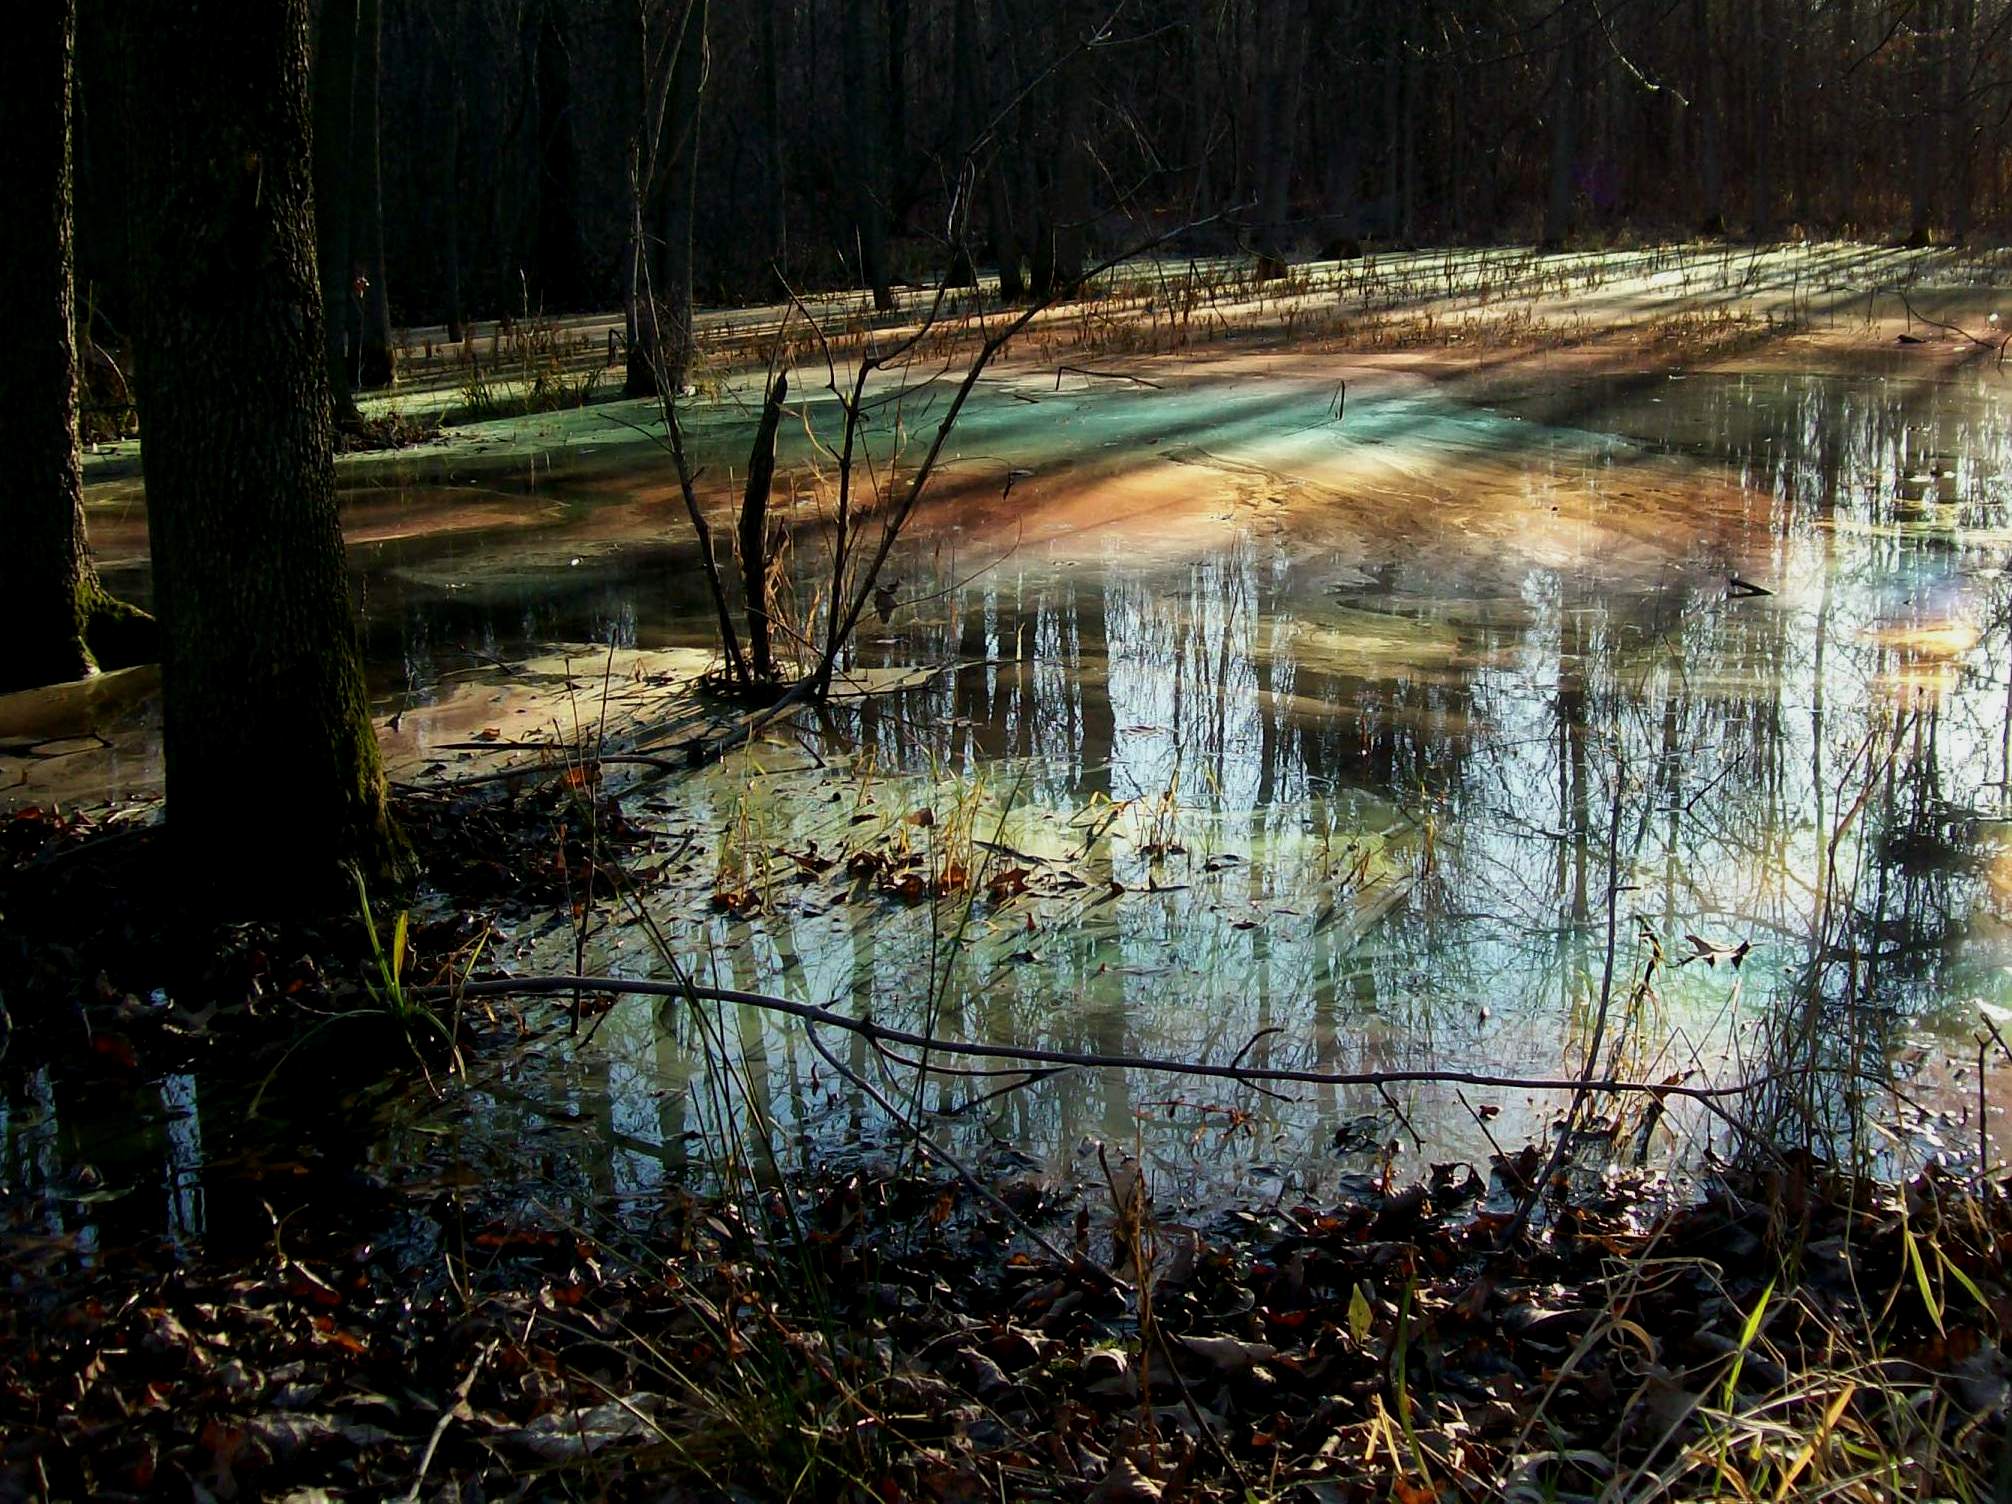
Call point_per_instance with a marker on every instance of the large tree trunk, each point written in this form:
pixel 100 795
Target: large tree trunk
pixel 1057 169
pixel 971 116
pixel 273 776
pixel 1838 89
pixel 559 275
pixel 1003 171
pixel 1958 72
pixel 1762 40
pixel 639 375
pixel 52 610
pixel 866 149
pixel 334 142
pixel 1070 192
pixel 1711 144
pixel 776 155
pixel 1559 203
pixel 1197 111
pixel 684 113
pixel 374 364
pixel 447 185
pixel 898 149
pixel 1925 165
pixel 1281 57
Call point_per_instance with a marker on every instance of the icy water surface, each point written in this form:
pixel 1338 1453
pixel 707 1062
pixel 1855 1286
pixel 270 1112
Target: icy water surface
pixel 1382 743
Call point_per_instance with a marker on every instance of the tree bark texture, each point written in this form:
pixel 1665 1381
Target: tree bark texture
pixel 48 586
pixel 273 773
pixel 334 143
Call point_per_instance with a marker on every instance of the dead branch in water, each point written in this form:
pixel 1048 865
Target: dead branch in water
pixel 1996 347
pixel 1711 1098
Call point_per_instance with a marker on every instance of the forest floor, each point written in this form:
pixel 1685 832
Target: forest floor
pixel 891 1326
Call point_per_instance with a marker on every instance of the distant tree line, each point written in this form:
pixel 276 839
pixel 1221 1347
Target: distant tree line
pixel 488 148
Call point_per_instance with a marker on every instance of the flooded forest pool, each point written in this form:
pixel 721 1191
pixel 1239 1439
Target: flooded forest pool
pixel 1385 742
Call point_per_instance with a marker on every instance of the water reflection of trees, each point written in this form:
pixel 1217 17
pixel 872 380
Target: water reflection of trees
pixel 1482 764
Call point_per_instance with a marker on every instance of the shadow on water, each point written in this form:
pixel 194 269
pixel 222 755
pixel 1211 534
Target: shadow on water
pixel 1323 746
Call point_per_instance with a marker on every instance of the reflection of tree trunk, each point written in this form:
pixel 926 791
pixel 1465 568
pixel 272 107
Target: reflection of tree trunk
pixel 334 140
pixel 50 599
pixel 248 556
pixel 374 365
pixel 674 1070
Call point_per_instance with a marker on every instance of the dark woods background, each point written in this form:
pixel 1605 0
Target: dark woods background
pixel 827 140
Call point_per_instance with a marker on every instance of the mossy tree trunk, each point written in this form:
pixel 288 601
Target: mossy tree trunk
pixel 273 772
pixel 52 609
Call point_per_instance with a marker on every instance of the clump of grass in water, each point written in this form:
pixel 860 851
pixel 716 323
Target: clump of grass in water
pixel 530 371
pixel 392 997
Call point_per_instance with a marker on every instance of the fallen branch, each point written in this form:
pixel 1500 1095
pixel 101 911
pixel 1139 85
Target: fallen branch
pixel 1061 371
pixel 1997 347
pixel 1707 1096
